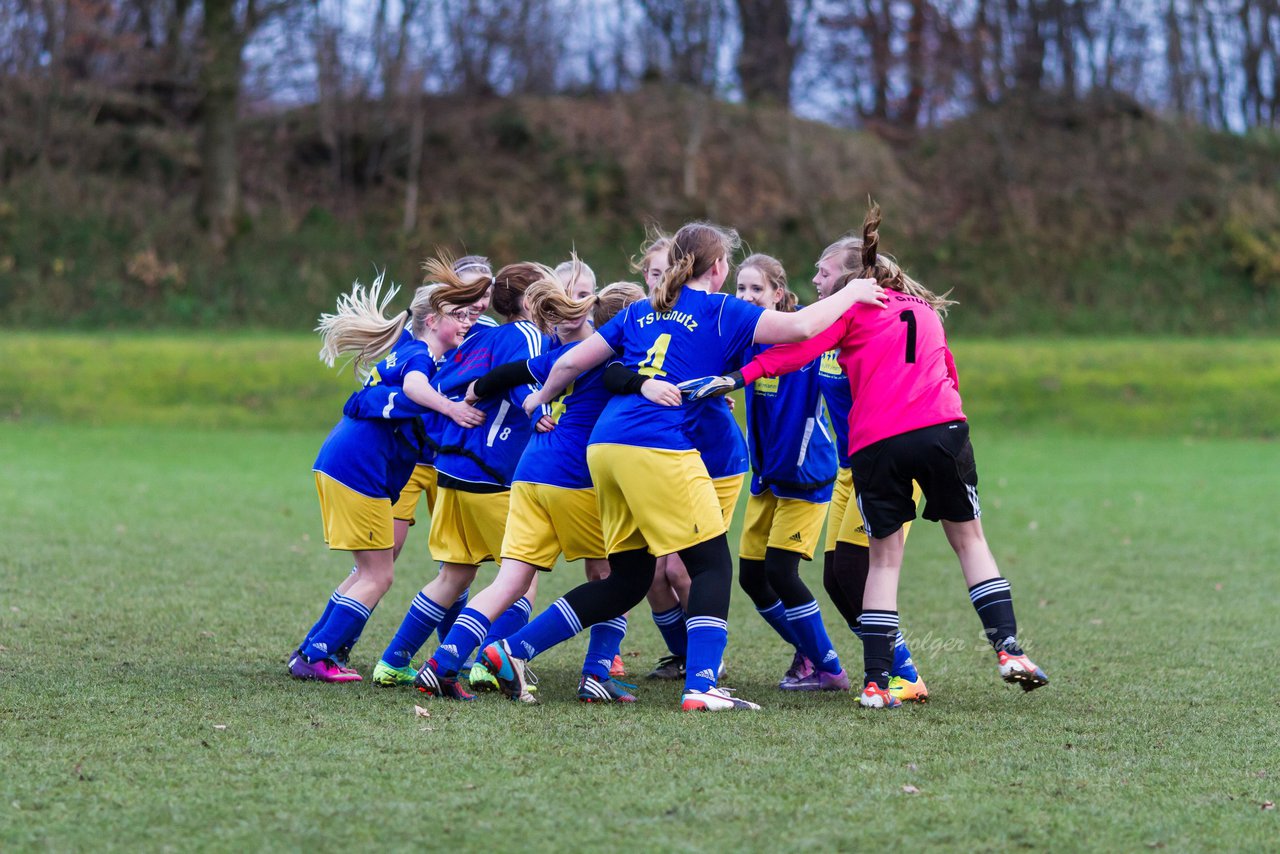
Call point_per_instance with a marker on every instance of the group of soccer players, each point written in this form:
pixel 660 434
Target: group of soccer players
pixel 589 424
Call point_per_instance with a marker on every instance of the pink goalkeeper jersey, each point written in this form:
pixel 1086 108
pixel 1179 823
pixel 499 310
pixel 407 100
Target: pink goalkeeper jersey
pixel 900 371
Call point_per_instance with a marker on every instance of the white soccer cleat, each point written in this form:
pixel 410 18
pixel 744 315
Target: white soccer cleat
pixel 1020 670
pixel 715 700
pixel 875 697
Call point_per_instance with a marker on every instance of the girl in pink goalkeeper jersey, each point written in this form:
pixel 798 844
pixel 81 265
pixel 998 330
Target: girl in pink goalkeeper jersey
pixel 906 424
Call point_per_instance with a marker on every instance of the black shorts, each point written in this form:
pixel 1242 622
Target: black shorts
pixel 939 458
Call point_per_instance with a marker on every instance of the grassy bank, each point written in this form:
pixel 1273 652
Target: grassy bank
pixel 1090 218
pixel 1199 388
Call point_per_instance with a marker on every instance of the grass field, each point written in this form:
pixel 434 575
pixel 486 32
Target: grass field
pixel 153 578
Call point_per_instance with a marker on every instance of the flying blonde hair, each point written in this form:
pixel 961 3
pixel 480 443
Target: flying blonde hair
pixel 360 328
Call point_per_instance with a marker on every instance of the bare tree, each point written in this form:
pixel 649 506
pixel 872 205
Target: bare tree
pixel 226 27
pixel 768 52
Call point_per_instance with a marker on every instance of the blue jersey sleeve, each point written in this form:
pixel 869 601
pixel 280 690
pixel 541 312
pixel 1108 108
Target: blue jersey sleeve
pixel 612 332
pixel 540 366
pixel 736 324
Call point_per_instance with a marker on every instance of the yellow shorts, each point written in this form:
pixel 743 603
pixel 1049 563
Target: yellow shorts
pixel 840 493
pixel 467 527
pixel 653 498
pixel 547 521
pixel 780 523
pixel 422 483
pixel 727 491
pixel 851 529
pixel 353 522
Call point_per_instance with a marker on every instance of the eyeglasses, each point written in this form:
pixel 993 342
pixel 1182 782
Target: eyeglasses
pixel 463 315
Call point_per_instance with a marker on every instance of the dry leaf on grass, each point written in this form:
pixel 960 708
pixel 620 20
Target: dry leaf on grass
pixel 220 727
pixel 1268 805
pixel 910 790
pixel 420 712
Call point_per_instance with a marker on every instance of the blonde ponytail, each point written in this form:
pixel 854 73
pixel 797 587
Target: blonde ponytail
pixel 613 299
pixel 360 327
pixel 549 305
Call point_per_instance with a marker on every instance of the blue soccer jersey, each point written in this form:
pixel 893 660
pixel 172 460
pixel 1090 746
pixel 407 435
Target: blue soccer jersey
pixel 792 453
pixel 433 422
pixel 483 324
pixel 698 337
pixel 559 458
pixel 839 397
pixel 486 456
pixel 718 438
pixel 374 457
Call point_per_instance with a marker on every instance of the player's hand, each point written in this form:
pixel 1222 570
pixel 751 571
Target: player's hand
pixel 732 403
pixel 532 402
pixel 661 392
pixel 545 424
pixel 704 387
pixel 866 291
pixel 465 415
pixel 471 398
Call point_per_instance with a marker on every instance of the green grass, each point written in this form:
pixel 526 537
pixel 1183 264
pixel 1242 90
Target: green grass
pixel 1198 388
pixel 154 578
pixel 161 555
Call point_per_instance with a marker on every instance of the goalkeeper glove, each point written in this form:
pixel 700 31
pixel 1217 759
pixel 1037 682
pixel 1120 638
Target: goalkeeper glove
pixel 705 387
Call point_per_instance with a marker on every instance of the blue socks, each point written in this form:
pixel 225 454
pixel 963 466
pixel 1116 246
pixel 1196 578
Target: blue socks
pixel 452 614
pixel 806 625
pixel 671 627
pixel 776 616
pixel 902 664
pixel 606 640
pixel 509 622
pixel 554 625
pixel 324 617
pixel 467 632
pixel 418 624
pixel 346 620
pixel 707 637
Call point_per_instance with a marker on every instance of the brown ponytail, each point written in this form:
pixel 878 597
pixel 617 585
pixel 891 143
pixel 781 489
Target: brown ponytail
pixel 444 289
pixel 694 249
pixel 512 281
pixel 880 266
